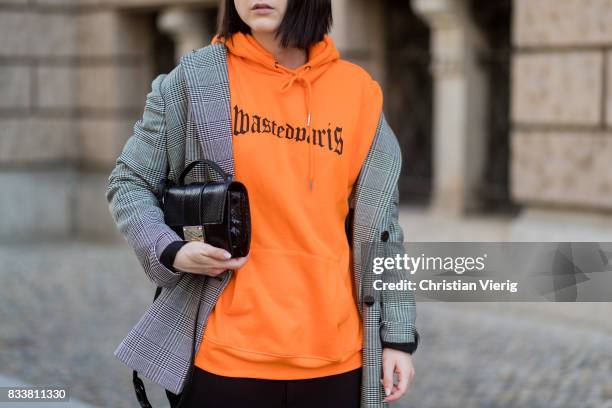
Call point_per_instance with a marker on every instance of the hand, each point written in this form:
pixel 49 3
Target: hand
pixel 205 259
pixel 400 363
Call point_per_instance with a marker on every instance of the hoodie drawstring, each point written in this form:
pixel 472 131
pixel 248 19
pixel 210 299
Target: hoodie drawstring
pixel 298 76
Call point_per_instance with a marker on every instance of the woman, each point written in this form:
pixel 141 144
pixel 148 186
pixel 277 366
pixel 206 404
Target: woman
pixel 290 325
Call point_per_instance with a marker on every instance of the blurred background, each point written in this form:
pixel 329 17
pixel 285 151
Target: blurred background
pixel 503 109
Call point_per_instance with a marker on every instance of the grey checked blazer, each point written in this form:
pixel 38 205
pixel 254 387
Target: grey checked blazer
pixel 187 117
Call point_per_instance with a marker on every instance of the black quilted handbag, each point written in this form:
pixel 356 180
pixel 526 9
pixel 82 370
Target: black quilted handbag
pixel 213 212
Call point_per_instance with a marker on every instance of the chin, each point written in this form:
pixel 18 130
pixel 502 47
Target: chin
pixel 264 27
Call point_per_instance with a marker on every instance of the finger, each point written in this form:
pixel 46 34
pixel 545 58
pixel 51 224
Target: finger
pixel 236 263
pixel 393 392
pixel 233 264
pixel 392 396
pixel 215 253
pixel 216 272
pixel 402 384
pixel 387 380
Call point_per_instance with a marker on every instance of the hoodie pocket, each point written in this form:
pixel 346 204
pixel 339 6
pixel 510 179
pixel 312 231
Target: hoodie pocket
pixel 288 304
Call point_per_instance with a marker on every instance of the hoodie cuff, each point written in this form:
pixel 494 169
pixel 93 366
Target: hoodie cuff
pixel 405 347
pixel 169 254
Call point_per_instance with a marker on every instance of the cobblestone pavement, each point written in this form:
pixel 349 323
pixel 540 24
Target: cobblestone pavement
pixel 507 357
pixel 65 306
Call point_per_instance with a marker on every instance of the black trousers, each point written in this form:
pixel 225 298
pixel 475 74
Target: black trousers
pixel 209 390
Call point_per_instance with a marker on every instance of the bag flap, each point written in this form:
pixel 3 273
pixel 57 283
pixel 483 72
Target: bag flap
pixel 195 204
pixel 213 202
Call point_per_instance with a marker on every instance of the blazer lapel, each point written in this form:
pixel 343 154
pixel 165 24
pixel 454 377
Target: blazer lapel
pixel 208 109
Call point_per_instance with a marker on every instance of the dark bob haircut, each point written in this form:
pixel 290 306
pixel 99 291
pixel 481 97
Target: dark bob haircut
pixel 304 24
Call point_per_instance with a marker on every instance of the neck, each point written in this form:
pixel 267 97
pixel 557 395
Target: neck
pixel 290 57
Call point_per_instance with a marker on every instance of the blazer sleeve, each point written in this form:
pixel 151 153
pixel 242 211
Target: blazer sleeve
pixel 139 168
pixel 398 308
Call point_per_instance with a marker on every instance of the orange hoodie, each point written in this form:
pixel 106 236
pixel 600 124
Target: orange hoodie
pixel 300 137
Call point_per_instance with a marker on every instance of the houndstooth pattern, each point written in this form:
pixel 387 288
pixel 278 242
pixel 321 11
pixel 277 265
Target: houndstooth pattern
pixel 187 117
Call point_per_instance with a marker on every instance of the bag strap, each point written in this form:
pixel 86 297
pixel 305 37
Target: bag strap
pixel 163 185
pixel 226 177
pixel 139 388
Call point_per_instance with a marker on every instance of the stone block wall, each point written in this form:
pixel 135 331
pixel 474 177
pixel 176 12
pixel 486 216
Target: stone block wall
pixel 562 104
pixel 73 79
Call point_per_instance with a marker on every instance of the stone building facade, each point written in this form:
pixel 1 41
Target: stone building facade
pixel 537 122
pixel 73 76
pixel 562 104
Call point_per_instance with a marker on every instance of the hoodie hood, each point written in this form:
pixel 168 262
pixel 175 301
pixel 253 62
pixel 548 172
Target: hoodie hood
pixel 320 57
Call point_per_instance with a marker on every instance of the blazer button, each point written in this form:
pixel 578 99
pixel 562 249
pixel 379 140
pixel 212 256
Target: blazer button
pixel 368 300
pixel 384 237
